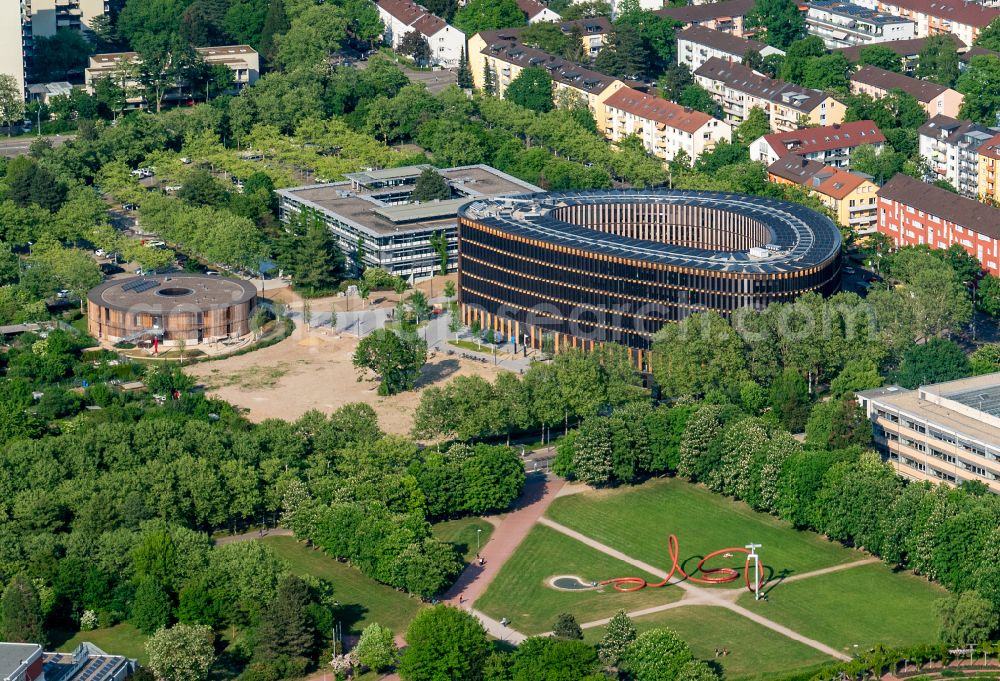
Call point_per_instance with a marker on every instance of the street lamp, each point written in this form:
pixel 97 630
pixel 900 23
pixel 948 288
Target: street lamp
pixel 337 633
pixel 756 569
pixel 479 531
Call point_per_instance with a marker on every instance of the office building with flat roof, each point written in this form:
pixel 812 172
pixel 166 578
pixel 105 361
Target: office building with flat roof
pixel 377 225
pixel 947 432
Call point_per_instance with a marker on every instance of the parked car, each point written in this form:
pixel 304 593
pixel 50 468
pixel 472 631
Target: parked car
pixel 185 160
pixel 129 206
pixel 99 253
pixel 211 273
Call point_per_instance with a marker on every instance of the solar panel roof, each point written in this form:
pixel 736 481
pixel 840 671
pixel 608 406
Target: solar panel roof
pixel 985 399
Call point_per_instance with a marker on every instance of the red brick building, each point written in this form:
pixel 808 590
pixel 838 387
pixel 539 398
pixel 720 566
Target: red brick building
pixel 912 212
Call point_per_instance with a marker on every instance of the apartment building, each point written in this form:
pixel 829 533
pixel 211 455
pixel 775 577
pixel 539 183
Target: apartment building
pixel 950 148
pixel 403 16
pixel 851 197
pixel 911 213
pixel 908 51
pixel 535 11
pixel 829 145
pixel 935 99
pixel 988 165
pixel 665 128
pixel 242 60
pixel 960 18
pixel 505 57
pixel 726 16
pixel 22 21
pixel 946 432
pixel 697 44
pixel 738 89
pixel 843 24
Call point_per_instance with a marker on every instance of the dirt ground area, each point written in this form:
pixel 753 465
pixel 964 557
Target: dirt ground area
pixel 315 372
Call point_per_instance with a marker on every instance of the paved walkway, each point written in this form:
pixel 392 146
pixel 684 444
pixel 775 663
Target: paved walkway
pixel 705 596
pixel 255 534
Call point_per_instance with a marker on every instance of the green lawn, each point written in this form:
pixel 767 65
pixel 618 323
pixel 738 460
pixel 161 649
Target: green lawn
pixel 520 591
pixel 462 533
pixel 755 652
pixel 362 599
pixel 121 639
pixel 637 521
pixel 860 606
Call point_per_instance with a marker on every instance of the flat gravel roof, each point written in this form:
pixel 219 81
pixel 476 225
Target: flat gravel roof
pixel 803 237
pixel 168 292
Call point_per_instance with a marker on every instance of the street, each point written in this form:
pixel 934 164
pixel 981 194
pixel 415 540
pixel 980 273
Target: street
pixel 18 146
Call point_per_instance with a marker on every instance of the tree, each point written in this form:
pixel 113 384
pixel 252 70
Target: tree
pixel 989 37
pixel 980 83
pixel 444 644
pixel 966 619
pixel 532 89
pixel 828 72
pixel 857 375
pixel 656 655
pixel 151 606
pixel 618 636
pixel 881 165
pixel 626 54
pixel 311 254
pixel 21 619
pixel 430 185
pixel 938 60
pixel 414 44
pixel 781 21
pixel 674 80
pixel 275 24
pixel 285 627
pixel 489 79
pixel 201 189
pixel 395 360
pixel 376 648
pixel 244 21
pixel 567 628
pixel 936 361
pixel 163 60
pixel 880 56
pixel 11 101
pixel 988 295
pixel 464 76
pixel 756 125
pixel 184 652
pixel 789 399
pixel 592 458
pixel 798 57
pixel 543 658
pixel 699 99
pixel 486 15
pixel 313 38
pixel 55 57
pixel 698 355
pixel 985 360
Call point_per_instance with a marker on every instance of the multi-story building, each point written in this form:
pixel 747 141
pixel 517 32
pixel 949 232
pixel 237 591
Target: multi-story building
pixel 403 16
pixel 738 89
pixel 505 57
pixel 535 11
pixel 908 51
pixel 22 21
pixel 843 24
pixel 21 662
pixel 593 32
pixel 242 60
pixel 935 99
pixel 950 148
pixel 946 432
pixel 726 16
pixel 960 18
pixel 697 44
pixel 665 128
pixel 988 167
pixel 911 213
pixel 851 197
pixel 372 217
pixel 829 145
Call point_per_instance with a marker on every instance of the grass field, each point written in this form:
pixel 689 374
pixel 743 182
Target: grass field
pixel 520 592
pixel 637 521
pixel 755 652
pixel 121 639
pixel 462 533
pixel 861 606
pixel 363 600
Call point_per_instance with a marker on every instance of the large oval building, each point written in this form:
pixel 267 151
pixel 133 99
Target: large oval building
pixel 579 268
pixel 193 308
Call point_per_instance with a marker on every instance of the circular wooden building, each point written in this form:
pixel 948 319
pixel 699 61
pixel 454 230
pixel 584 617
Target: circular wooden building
pixel 192 308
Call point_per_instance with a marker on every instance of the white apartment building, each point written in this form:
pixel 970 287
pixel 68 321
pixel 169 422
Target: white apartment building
pixel 950 149
pixel 960 18
pixel 665 128
pixel 697 44
pixel 402 16
pixel 535 11
pixel 843 24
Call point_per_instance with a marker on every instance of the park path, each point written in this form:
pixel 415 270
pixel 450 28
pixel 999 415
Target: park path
pixel 706 596
pixel 828 570
pixel 255 534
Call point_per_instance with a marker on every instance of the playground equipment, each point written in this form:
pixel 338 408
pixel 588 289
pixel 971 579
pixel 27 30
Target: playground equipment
pixel 716 575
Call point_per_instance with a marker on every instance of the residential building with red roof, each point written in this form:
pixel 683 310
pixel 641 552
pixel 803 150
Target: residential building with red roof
pixel 960 18
pixel 911 213
pixel 403 16
pixel 935 99
pixel 536 11
pixel 831 144
pixel 664 127
pixel 852 197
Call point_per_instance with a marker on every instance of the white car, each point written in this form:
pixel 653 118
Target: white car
pixel 63 294
pixel 185 160
pixel 154 244
pixel 99 253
